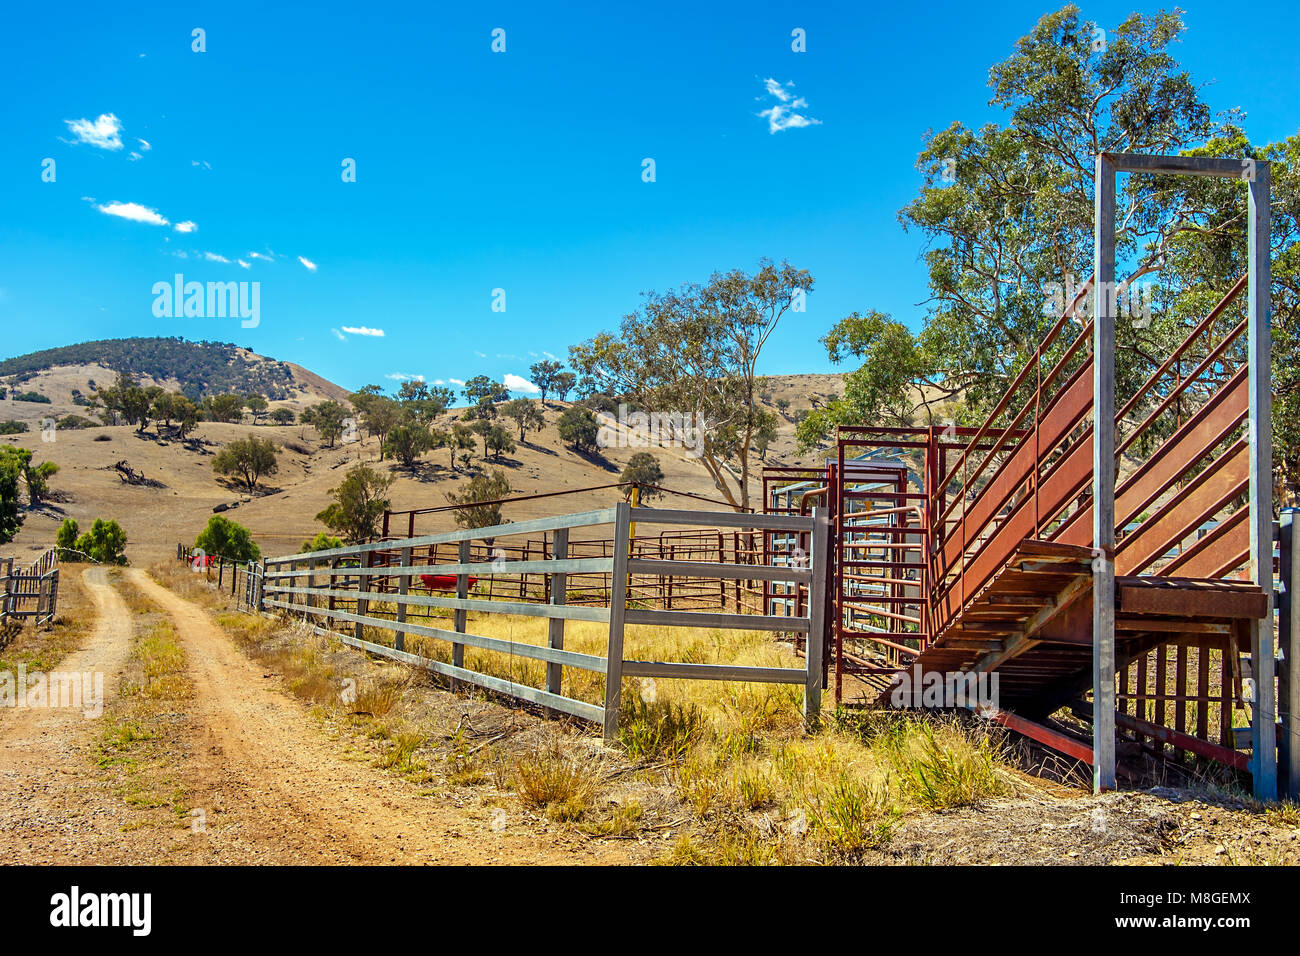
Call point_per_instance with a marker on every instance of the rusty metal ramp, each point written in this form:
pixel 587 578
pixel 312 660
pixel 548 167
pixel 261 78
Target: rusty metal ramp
pixel 1032 623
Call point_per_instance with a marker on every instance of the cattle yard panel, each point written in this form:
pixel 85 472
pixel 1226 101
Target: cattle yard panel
pixel 359 592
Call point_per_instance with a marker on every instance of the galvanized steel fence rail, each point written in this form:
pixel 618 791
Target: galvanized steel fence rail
pixel 339 588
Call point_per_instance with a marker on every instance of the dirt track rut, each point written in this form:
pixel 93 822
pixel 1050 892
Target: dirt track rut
pixel 271 787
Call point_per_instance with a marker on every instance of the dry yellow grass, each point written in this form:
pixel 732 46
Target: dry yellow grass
pixel 735 757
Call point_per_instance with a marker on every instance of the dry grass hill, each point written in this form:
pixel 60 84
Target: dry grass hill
pixel 283 513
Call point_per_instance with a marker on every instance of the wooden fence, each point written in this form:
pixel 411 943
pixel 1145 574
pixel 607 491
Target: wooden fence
pixel 31 591
pixel 348 589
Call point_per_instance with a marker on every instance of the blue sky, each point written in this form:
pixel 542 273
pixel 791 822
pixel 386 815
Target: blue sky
pixel 478 171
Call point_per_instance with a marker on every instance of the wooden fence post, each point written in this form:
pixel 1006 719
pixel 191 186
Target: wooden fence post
pixel 617 612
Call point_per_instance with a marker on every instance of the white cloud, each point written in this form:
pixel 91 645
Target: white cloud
pixel 103 133
pixel 518 384
pixel 186 226
pixel 243 263
pixel 481 354
pixel 404 377
pixel 339 335
pixel 454 381
pixel 213 257
pixel 133 157
pixel 362 330
pixel 133 211
pixel 258 255
pixel 783 114
pixel 144 144
pixel 201 162
pixel 311 266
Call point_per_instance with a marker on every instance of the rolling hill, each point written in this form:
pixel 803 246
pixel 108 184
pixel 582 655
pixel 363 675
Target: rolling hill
pixel 283 515
pixel 196 368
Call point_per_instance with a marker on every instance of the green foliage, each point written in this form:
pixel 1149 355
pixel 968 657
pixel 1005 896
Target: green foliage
pixel 12 427
pixel 643 468
pixel 38 480
pixel 407 442
pixel 578 428
pixel 35 476
pixel 75 422
pixel 329 418
pixel 66 538
pixel 423 402
pixel 283 416
pixel 322 542
pixel 1006 213
pixel 695 351
pixel 226 407
pixel 459 439
pixel 126 398
pixel 10 474
pixel 526 413
pixel 563 384
pixel 481 389
pixel 257 406
pixel 30 397
pixel 227 539
pixel 358 504
pixel 496 439
pixel 379 416
pixel 656 729
pixel 204 368
pixel 472 513
pixel 249 458
pixel 105 542
pixel 544 374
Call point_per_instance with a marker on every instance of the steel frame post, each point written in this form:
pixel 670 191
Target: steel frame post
pixel 1103 480
pixel 1263 724
pixel 1259 423
pixel 1288 684
pixel 815 647
pixel 617 613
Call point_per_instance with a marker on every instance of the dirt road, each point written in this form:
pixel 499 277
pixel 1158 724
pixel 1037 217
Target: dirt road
pixel 268 785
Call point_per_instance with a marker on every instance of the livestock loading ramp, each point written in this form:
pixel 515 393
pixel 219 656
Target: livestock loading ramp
pixel 1114 561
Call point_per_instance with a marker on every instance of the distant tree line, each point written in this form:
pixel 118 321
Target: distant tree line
pixel 205 368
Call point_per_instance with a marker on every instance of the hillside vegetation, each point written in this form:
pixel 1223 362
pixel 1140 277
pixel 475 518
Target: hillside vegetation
pixel 202 368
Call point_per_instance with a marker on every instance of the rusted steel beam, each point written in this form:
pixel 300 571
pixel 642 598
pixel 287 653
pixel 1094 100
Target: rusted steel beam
pixel 1167 735
pixel 1224 549
pixel 1189 602
pixel 1223 480
pixel 1070 746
